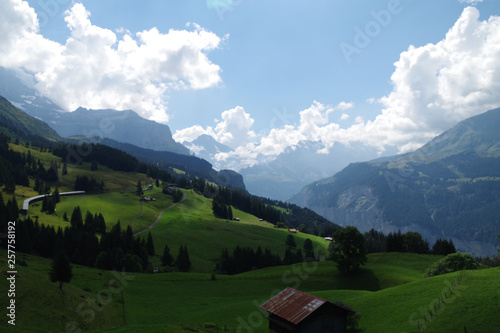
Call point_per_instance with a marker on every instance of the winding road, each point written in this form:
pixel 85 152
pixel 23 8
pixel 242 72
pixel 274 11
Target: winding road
pixel 159 216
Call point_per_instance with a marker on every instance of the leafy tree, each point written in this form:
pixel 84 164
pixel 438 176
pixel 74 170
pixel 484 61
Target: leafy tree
pixel 166 259
pixel 348 249
pixel 149 245
pixel 61 270
pixel 452 263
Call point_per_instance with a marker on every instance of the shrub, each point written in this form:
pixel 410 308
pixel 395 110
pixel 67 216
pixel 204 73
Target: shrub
pixel 452 263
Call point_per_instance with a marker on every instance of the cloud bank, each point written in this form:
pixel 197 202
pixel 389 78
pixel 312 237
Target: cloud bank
pixel 97 69
pixel 434 87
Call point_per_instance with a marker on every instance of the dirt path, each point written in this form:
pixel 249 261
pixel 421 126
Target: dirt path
pixel 159 216
pixel 140 213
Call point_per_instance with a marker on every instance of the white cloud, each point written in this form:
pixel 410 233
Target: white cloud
pixel 233 130
pixel 437 85
pixel 434 87
pixel 96 69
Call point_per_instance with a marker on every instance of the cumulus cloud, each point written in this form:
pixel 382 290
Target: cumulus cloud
pixel 96 69
pixel 434 87
pixel 233 130
pixel 437 85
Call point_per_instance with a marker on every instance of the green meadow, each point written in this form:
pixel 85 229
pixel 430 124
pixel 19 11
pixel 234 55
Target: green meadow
pixel 390 293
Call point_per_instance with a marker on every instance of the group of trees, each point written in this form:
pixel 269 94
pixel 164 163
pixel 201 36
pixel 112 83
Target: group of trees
pixel 183 263
pixel 16 168
pixel 350 247
pixel 8 212
pixel 412 242
pixel 222 210
pixel 116 249
pixel 84 183
pixel 225 197
pixel 243 259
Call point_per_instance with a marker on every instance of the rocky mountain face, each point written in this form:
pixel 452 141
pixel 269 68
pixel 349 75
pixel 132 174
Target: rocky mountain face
pixel 449 188
pixel 122 126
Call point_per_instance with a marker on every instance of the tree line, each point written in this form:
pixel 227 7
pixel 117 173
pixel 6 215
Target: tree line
pixel 116 249
pixel 244 259
pixel 410 241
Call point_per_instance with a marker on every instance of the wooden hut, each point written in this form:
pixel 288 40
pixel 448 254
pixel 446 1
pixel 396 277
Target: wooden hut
pixel 293 311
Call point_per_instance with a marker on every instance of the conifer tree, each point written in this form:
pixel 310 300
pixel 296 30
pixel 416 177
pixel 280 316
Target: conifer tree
pixel 166 259
pixel 76 218
pixel 149 245
pixel 183 262
pixel 61 270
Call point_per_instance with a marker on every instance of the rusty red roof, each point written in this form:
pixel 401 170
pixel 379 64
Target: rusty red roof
pixel 293 305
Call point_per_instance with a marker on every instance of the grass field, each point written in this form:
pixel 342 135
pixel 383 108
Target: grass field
pixel 190 223
pixel 390 293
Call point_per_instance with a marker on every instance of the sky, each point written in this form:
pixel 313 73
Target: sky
pixel 263 76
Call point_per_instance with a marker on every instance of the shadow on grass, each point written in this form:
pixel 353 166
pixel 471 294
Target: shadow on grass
pixel 364 279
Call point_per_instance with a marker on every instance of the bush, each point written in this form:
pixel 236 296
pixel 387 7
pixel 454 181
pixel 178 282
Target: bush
pixel 452 263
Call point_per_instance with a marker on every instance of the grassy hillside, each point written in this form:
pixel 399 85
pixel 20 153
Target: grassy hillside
pixel 190 223
pixel 17 124
pixel 390 293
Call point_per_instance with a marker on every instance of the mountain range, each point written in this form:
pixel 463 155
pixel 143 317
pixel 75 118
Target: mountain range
pixel 123 126
pixel 449 188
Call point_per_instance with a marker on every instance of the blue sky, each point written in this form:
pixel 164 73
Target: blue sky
pixel 266 64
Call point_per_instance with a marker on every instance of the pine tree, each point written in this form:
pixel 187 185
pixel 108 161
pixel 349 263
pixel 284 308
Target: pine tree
pixel 76 218
pixel 290 241
pixel 309 250
pixel 138 190
pixel 183 263
pixel 61 270
pixel 57 196
pixel 166 259
pixel 149 245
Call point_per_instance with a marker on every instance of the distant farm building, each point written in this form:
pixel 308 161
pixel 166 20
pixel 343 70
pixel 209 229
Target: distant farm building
pixel 293 231
pixel 147 199
pixel 330 239
pixel 295 311
pixel 170 190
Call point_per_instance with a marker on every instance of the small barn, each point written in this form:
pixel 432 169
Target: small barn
pixel 293 311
